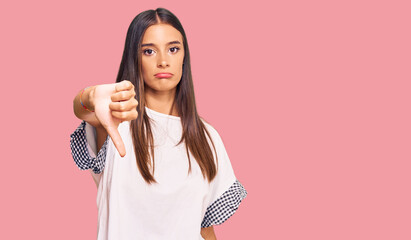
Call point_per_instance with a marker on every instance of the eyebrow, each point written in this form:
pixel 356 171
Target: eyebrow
pixel 152 44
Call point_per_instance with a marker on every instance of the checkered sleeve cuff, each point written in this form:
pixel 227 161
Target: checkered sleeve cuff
pixel 80 153
pixel 225 206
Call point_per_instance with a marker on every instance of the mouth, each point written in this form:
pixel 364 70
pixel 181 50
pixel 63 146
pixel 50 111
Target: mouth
pixel 163 75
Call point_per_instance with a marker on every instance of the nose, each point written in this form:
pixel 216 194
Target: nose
pixel 162 61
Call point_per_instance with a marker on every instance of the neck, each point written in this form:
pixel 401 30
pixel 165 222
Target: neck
pixel 161 101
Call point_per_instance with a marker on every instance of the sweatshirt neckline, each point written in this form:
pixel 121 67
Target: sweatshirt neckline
pixel 161 114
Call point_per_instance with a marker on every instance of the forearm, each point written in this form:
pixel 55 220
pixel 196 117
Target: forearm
pixel 79 110
pixel 208 233
pixel 210 238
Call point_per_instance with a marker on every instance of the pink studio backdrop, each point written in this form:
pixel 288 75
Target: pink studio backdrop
pixel 311 99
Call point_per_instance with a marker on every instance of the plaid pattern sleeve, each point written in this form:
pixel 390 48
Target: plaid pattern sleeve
pixel 80 151
pixel 225 206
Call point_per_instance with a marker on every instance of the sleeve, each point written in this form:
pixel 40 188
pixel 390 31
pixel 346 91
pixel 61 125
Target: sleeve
pixel 84 148
pixel 226 191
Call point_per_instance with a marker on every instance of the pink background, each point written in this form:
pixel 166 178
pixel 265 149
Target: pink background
pixel 311 99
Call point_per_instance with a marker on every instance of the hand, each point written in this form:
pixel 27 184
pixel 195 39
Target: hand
pixel 113 104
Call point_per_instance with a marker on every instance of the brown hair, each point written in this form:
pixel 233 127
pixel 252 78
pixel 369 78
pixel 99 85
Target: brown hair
pixel 194 130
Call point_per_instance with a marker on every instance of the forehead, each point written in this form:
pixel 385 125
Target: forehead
pixel 161 34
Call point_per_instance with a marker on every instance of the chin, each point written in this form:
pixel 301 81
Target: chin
pixel 163 86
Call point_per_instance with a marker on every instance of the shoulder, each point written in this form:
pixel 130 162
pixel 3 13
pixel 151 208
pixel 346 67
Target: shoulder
pixel 214 134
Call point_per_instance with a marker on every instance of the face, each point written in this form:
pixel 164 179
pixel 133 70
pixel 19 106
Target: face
pixel 162 51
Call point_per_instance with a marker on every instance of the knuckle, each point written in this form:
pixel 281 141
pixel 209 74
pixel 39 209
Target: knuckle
pixel 122 106
pixel 117 114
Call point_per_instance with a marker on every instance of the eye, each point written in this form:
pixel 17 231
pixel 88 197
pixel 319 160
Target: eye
pixel 148 51
pixel 174 49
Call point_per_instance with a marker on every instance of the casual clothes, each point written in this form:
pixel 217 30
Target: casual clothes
pixel 178 206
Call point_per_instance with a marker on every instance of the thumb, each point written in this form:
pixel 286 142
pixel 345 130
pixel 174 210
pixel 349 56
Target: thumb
pixel 112 131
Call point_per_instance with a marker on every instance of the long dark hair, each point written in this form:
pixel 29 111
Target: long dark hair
pixel 194 130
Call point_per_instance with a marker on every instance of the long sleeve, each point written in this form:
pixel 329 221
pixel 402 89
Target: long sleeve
pixel 84 148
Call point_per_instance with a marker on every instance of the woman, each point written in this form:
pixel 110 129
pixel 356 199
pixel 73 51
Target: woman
pixel 161 171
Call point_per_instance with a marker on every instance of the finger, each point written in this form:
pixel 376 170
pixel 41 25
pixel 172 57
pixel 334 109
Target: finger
pixel 124 85
pixel 118 142
pixel 123 106
pixel 122 96
pixel 125 116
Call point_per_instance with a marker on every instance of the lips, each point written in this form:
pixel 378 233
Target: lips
pixel 164 75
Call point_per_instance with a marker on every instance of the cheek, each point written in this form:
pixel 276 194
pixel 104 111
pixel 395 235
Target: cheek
pixel 143 67
pixel 180 64
pixel 146 67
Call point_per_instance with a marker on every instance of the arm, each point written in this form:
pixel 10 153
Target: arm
pixel 112 104
pixel 208 233
pixel 82 113
pixel 90 117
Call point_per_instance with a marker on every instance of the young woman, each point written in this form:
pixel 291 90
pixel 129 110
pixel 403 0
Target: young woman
pixel 162 172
